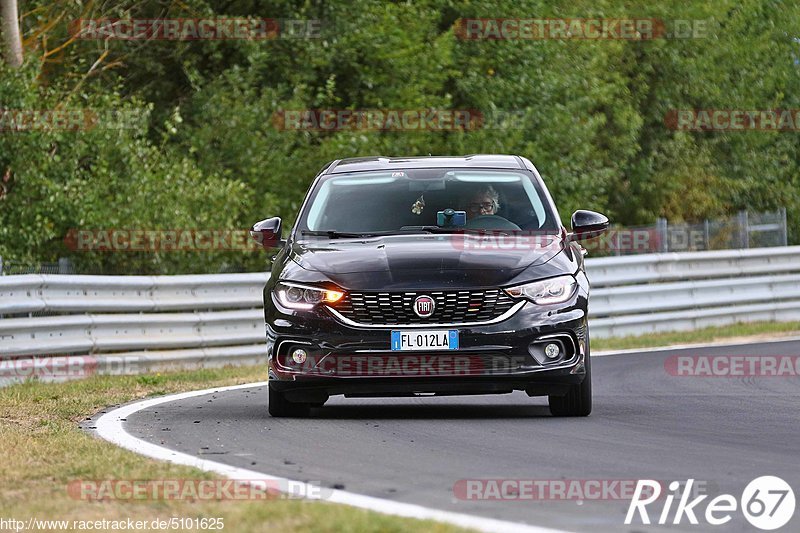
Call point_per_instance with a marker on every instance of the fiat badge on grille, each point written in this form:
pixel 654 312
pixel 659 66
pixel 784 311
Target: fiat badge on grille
pixel 423 306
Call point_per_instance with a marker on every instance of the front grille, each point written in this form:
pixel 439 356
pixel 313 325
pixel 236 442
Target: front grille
pixel 452 307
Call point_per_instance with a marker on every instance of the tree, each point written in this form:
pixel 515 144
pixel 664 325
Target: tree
pixel 11 32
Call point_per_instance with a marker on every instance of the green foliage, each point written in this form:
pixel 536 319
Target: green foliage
pixel 206 152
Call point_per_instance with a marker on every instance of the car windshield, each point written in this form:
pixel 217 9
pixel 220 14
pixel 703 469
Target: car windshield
pixel 426 200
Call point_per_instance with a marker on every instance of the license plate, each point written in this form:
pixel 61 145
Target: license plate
pixel 438 339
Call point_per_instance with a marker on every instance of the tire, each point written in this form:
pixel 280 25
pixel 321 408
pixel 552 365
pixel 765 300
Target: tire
pixel 578 400
pixel 280 407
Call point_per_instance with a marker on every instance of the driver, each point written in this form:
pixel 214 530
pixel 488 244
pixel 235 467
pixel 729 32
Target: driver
pixel 484 201
pixel 482 207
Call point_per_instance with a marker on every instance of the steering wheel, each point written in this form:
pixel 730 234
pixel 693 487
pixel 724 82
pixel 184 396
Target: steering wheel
pixel 491 222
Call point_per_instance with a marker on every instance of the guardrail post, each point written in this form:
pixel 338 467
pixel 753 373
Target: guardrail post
pixel 744 229
pixel 65 265
pixel 663 233
pixel 784 228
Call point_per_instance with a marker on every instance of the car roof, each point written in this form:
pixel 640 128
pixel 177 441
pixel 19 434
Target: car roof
pixel 355 164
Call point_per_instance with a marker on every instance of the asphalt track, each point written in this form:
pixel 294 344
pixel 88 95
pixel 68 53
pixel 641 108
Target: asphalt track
pixel 646 424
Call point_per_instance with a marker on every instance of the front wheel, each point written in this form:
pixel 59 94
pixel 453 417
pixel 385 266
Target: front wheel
pixel 280 407
pixel 578 400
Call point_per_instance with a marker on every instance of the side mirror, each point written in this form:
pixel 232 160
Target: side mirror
pixel 587 224
pixel 267 233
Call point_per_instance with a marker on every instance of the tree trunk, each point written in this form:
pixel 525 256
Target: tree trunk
pixel 11 32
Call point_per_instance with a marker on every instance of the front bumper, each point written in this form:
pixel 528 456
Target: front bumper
pixel 492 358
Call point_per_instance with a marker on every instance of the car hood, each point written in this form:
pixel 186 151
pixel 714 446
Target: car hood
pixel 425 261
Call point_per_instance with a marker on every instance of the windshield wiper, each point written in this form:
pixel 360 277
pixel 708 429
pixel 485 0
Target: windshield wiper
pixel 333 234
pixel 432 229
pixel 447 229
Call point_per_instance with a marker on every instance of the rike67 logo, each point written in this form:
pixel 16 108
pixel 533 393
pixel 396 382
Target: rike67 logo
pixel 767 502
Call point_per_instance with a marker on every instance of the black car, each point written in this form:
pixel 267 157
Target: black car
pixel 428 276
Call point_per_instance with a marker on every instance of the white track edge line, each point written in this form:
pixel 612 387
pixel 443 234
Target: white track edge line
pixel 110 427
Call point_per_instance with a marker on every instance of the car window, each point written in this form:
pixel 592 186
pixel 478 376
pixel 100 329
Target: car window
pixel 389 201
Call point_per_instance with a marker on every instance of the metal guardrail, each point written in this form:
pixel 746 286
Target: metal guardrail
pixel 33 293
pixel 654 268
pixel 141 323
pixel 130 324
pixel 653 293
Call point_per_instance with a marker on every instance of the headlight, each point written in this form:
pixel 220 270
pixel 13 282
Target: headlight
pixel 548 291
pixel 295 296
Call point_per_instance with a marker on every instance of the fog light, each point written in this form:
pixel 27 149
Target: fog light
pixel 552 350
pixel 299 356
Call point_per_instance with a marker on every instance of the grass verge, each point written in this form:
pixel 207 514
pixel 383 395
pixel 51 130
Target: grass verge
pixel 45 450
pixel 745 331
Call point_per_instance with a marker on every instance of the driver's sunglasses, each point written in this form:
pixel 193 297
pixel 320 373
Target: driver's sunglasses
pixel 483 206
